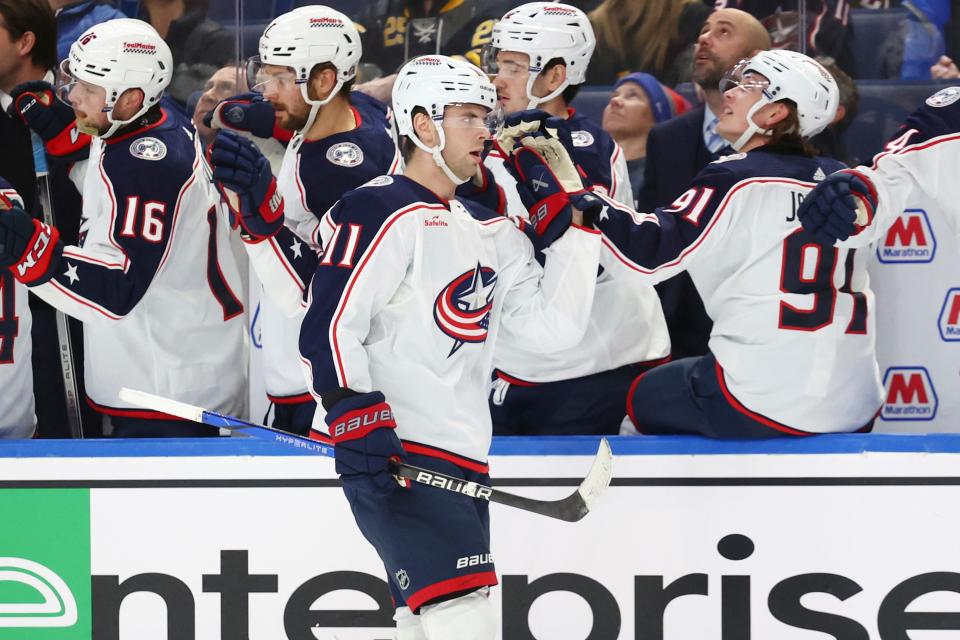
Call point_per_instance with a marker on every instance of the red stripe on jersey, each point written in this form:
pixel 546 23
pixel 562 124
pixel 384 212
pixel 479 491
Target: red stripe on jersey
pixel 918 147
pixel 163 118
pixel 713 222
pixel 113 213
pixel 365 259
pixel 87 303
pixel 272 240
pixel 767 422
pixel 630 392
pixel 73 255
pixel 514 381
pixel 613 170
pixel 145 414
pixel 295 399
pixel 433 452
pixel 461 583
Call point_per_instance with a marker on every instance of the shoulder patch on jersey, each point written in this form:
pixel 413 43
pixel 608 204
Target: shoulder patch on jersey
pixel 944 97
pixel 148 149
pixel 379 181
pixel 581 138
pixel 345 154
pixel 732 156
pixel 819 175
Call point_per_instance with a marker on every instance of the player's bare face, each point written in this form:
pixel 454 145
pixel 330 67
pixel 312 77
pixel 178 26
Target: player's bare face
pixel 737 102
pixel 464 130
pixel 279 87
pixel 88 102
pixel 722 43
pixel 513 72
pixel 628 112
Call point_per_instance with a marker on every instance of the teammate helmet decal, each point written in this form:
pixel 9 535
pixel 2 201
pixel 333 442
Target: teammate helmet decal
pixel 148 149
pixel 345 154
pixel 944 97
pixel 462 309
pixel 403 580
pixel 581 138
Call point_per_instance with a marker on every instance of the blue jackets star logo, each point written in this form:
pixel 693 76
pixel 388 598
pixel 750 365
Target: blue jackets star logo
pixel 462 309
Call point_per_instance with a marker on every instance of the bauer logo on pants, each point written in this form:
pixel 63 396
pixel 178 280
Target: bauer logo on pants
pixel 909 394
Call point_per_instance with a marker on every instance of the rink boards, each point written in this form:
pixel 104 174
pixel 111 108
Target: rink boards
pixel 852 536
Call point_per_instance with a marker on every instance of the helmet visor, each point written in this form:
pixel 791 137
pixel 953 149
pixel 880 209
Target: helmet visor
pixel 492 121
pixel 262 77
pixel 76 93
pixel 742 77
pixel 494 63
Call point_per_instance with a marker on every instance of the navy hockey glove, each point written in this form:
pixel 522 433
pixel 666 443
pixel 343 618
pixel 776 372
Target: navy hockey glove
pixel 29 248
pixel 365 441
pixel 839 207
pixel 245 112
pixel 483 189
pixel 51 119
pixel 243 176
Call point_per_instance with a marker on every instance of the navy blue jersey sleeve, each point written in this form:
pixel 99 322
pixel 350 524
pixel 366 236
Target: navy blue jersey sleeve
pixel 659 245
pixel 368 246
pixel 127 238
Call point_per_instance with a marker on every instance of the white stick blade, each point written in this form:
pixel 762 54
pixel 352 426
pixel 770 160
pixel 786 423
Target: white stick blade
pixel 164 405
pixel 598 479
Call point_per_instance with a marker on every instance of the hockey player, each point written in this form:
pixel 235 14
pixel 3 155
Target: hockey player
pixel 540 52
pixel 153 277
pixel 305 71
pixel 17 418
pixel 412 293
pixel 921 157
pixel 792 320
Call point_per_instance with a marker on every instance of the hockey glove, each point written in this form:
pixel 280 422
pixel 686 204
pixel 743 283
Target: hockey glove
pixel 518 125
pixel 245 112
pixel 51 119
pixel 839 207
pixel 365 441
pixel 483 189
pixel 29 248
pixel 243 176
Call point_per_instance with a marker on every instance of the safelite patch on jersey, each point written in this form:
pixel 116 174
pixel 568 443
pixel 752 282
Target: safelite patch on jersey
pixel 944 97
pixel 581 138
pixel 148 149
pixel 345 154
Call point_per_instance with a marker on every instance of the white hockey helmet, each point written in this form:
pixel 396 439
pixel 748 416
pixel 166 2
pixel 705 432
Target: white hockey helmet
pixel 303 38
pixel 544 31
pixel 433 83
pixel 792 76
pixel 118 55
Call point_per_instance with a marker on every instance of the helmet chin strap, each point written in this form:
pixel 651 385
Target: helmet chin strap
pixel 437 155
pixel 116 124
pixel 315 106
pixel 752 127
pixel 534 100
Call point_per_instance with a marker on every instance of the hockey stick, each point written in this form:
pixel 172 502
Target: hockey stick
pixel 71 395
pixel 570 509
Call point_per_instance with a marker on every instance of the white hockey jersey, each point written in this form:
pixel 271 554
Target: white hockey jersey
pixel 922 156
pixel 793 331
pixel 17 417
pixel 312 178
pixel 413 293
pixel 626 324
pixel 154 280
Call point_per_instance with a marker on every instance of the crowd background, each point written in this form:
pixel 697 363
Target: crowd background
pixel 886 55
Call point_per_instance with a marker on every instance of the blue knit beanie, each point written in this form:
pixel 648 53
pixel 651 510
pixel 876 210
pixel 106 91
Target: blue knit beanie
pixel 660 104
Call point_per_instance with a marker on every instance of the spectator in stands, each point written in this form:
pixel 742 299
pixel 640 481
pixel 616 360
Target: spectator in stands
pixel 654 36
pixel 678 149
pixel 944 69
pixel 637 103
pixel 199 45
pixel 76 16
pixel 222 84
pixel 827 31
pixel 829 142
pixel 913 51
